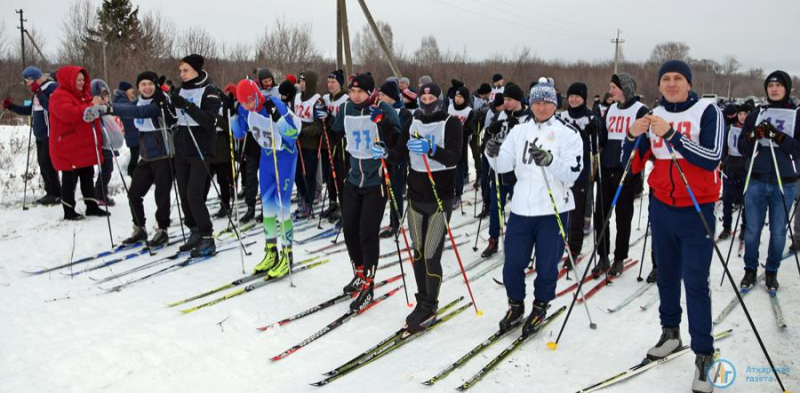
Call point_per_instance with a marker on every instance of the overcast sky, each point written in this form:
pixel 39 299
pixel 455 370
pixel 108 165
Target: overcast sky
pixel 760 34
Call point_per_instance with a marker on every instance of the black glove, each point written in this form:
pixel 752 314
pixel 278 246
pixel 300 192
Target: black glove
pixel 493 147
pixel 228 103
pixel 591 128
pixel 540 157
pixel 269 106
pixel 512 121
pixel 178 101
pixel 160 98
pixel 771 132
pixel 495 128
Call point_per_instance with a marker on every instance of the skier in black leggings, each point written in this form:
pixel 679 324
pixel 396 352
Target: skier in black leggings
pixel 434 133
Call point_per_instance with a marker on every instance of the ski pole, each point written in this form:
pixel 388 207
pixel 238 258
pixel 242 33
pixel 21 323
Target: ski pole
pixel 27 166
pixel 727 272
pixel 554 344
pixel 280 198
pixel 639 222
pixel 449 232
pixel 233 182
pixel 644 247
pixel 480 220
pixel 783 197
pixel 102 186
pixel 739 213
pixel 592 325
pixel 396 209
pixel 170 154
pixel 600 189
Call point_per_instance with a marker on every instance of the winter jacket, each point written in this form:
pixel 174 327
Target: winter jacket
pixel 697 142
pixel 131 132
pixel 304 109
pixel 780 116
pixel 197 121
pixel 586 122
pixel 147 118
pixel 38 110
pixel 732 160
pixel 563 141
pixel 364 172
pixel 448 154
pixel 74 143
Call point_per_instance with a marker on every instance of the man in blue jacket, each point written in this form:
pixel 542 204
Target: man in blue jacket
pixel 42 86
pixel 124 94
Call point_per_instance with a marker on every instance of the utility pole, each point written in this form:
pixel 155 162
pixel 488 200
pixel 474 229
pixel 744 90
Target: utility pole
pixel 22 34
pixel 616 42
pixel 374 27
pixel 339 54
pixel 348 59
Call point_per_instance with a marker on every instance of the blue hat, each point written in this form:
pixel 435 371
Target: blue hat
pixel 543 92
pixel 32 73
pixel 676 66
pixel 125 86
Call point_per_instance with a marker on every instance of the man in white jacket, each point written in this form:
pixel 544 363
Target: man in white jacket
pixel 546 143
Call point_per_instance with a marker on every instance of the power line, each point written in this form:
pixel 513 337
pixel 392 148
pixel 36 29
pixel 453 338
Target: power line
pixel 537 13
pixel 540 18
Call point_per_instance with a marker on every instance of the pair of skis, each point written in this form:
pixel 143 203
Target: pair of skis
pixel 780 320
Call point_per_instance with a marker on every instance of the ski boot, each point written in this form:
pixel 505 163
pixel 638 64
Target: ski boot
pixel 726 233
pixel 248 215
pixel 601 267
pixel 749 279
pixel 284 264
pixel 516 310
pixel 771 281
pixel 423 316
pixel 354 284
pixel 387 233
pixel 223 211
pixel 48 200
pixel 491 249
pixel 537 315
pixel 669 342
pixel 139 235
pixel 191 242
pixel 484 211
pixel 205 247
pixel 365 295
pixel 92 209
pixel 71 215
pixel 653 276
pixel 269 260
pixel 702 366
pixel 616 268
pixel 160 238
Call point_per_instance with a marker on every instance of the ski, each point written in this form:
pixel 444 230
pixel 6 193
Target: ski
pixel 488 269
pixel 561 273
pixel 123 258
pixel 646 365
pixel 253 287
pixel 488 342
pixel 103 254
pixel 319 307
pixel 404 338
pixel 641 290
pixel 327 247
pixel 186 262
pixel 653 299
pixel 776 307
pixel 589 277
pixel 350 314
pixel 734 302
pixel 330 232
pixel 352 362
pixel 508 351
pixel 394 253
pixel 605 282
pixel 235 283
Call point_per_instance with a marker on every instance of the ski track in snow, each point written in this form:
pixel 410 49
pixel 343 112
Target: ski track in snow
pixel 65 334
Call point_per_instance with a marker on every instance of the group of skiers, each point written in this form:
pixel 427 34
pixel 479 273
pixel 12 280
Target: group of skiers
pixel 409 146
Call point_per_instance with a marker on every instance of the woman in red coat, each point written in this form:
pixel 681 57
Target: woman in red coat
pixel 74 147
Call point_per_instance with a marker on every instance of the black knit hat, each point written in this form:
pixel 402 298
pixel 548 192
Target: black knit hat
pixel 499 100
pixel 338 75
pixel 484 89
pixel 391 89
pixel 287 89
pixel 578 89
pixel 363 82
pixel 195 61
pixel 147 75
pixel 497 77
pixel 780 77
pixel 431 88
pixel 514 92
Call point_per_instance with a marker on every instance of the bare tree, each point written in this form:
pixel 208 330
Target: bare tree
pixel 287 47
pixel 730 65
pixel 428 52
pixel 366 46
pixel 3 41
pixel 33 55
pixel 669 51
pixel 197 40
pixel 158 36
pixel 75 26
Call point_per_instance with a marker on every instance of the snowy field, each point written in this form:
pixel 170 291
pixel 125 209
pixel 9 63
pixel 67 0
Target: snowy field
pixel 62 334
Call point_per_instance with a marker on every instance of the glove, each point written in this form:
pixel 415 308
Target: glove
pixel 767 130
pixel 512 121
pixel 178 101
pixel 591 128
pixel 227 103
pixel 495 128
pixel 159 98
pixel 493 147
pixel 91 113
pixel 379 151
pixel 420 146
pixel 540 157
pixel 7 103
pixel 376 114
pixel 34 86
pixel 320 112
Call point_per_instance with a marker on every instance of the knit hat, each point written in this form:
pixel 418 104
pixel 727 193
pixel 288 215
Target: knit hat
pixel 463 92
pixel 514 92
pixel 391 89
pixel 676 66
pixel 247 90
pixel 404 80
pixel 744 108
pixel 124 86
pixel 425 79
pixel 32 73
pixel 730 110
pixel 363 82
pixel 780 77
pixel 625 82
pixel 484 88
pixel 147 75
pixel 265 73
pixel 287 88
pixel 544 92
pixel 578 89
pixel 291 78
pixel 431 88
pixel 499 100
pixel 456 83
pixel 195 61
pixel 409 94
pixel 497 77
pixel 338 75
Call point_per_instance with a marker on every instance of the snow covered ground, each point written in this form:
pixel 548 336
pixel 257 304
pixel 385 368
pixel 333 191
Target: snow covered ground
pixel 62 334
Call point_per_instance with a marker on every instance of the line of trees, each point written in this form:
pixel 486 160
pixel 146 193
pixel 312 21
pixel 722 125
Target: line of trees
pixel 116 41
